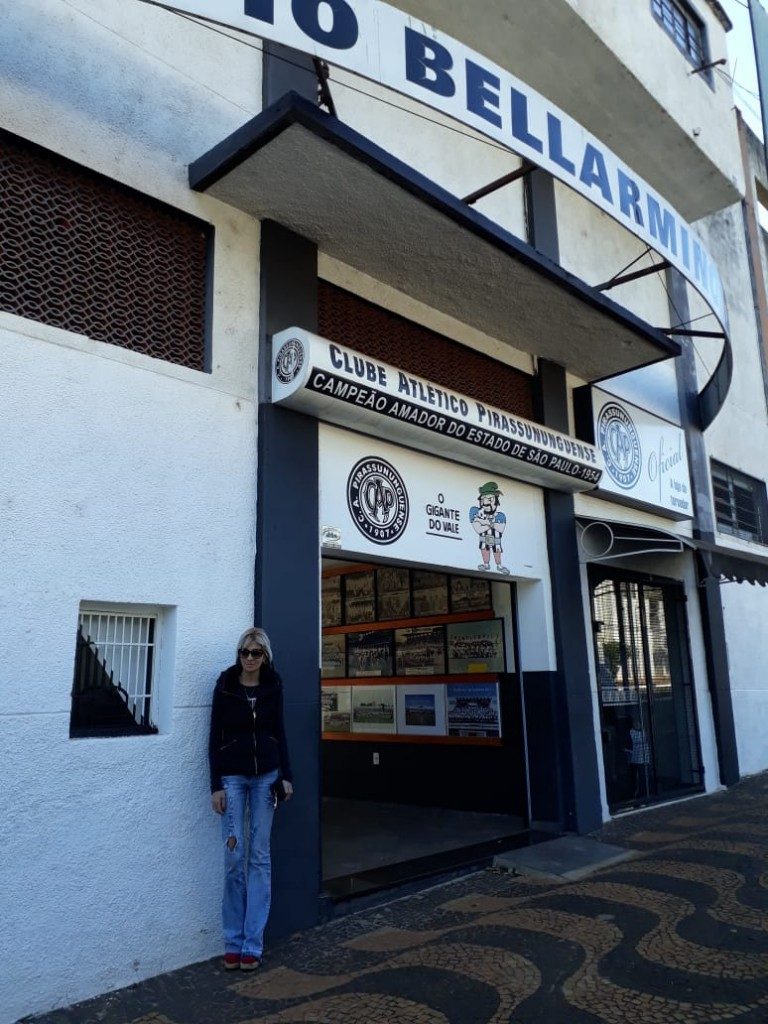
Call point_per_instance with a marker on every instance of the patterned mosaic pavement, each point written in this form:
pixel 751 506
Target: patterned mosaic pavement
pixel 678 934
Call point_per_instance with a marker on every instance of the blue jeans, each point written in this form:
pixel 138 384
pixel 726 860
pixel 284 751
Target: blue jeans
pixel 247 884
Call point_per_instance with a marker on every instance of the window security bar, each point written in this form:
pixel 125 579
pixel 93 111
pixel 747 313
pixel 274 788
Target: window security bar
pixel 116 653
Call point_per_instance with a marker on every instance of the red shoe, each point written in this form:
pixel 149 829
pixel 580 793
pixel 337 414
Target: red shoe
pixel 249 963
pixel 232 961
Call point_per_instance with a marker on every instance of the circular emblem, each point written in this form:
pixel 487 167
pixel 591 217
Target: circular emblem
pixel 330 537
pixel 289 361
pixel 377 500
pixel 620 445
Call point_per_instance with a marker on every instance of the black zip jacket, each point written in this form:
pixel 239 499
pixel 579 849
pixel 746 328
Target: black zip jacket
pixel 238 744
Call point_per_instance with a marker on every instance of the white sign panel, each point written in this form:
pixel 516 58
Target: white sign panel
pixel 337 384
pixel 380 499
pixel 644 457
pixel 374 39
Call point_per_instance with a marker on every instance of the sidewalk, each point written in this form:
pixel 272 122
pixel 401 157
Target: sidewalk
pixel 678 933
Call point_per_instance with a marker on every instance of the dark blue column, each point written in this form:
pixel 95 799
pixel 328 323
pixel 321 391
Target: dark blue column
pixel 287 586
pixel 710 601
pixel 563 765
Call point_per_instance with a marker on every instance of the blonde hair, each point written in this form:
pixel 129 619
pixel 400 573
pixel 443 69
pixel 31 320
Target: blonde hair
pixel 258 636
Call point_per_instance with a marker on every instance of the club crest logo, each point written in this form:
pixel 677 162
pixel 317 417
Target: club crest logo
pixel 620 444
pixel 377 500
pixel 289 361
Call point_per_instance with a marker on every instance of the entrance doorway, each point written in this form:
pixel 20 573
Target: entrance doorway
pixel 423 749
pixel 645 686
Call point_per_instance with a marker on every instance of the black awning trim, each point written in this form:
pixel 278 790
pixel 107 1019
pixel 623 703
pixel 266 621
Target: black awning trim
pixel 292 109
pixel 727 563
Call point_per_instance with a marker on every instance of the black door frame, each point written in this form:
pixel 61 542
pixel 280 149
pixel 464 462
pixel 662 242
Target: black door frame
pixel 675 599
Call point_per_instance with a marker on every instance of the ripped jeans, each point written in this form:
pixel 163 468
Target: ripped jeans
pixel 247 884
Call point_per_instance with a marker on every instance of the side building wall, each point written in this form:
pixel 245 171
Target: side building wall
pixel 125 479
pixel 739 439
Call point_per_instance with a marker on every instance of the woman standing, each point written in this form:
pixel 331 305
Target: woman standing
pixel 250 769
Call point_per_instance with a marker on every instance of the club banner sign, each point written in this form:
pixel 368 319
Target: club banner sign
pixel 643 457
pixel 385 45
pixel 384 500
pixel 341 386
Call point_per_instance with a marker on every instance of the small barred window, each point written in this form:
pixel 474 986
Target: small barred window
pixel 84 253
pixel 113 690
pixel 740 504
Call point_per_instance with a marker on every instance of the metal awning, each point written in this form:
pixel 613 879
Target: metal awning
pixel 729 564
pixel 602 540
pixel 297 165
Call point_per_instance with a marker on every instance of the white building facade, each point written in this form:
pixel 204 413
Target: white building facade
pixel 175 197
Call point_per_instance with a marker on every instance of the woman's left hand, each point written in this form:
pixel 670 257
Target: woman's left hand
pixel 288 789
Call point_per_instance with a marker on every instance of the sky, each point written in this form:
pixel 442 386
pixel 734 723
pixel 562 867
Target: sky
pixel 741 56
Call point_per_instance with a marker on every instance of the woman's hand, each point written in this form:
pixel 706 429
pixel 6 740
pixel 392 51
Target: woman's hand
pixel 288 789
pixel 219 801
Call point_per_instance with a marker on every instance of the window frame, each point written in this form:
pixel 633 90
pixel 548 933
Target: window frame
pixel 152 672
pixel 733 526
pixel 693 23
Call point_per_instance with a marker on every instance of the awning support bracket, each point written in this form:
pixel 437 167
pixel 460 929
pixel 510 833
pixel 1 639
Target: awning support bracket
pixel 525 168
pixel 324 97
pixel 634 276
pixel 691 334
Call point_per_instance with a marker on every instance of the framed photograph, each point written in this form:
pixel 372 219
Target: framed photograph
pixel 476 646
pixel 393 591
pixel 473 709
pixel 469 594
pixel 359 598
pixel 331 600
pixel 336 702
pixel 373 709
pixel 420 651
pixel 334 657
pixel 370 654
pixel 421 709
pixel 430 593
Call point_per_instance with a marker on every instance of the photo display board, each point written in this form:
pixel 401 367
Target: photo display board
pixel 334 657
pixel 421 709
pixel 393 589
pixel 475 646
pixel 426 667
pixel 420 651
pixel 373 709
pixel 336 703
pixel 370 654
pixel 473 709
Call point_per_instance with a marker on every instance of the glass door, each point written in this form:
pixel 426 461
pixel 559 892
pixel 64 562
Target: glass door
pixel 647 716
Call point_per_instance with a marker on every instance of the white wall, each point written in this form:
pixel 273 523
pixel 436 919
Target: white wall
pixel 127 485
pixel 125 479
pixel 739 438
pixel 745 609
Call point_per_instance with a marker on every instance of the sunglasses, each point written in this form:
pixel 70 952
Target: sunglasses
pixel 257 652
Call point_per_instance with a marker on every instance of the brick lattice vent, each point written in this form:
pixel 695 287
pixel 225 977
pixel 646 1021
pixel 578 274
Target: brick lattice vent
pixel 81 252
pixel 360 325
